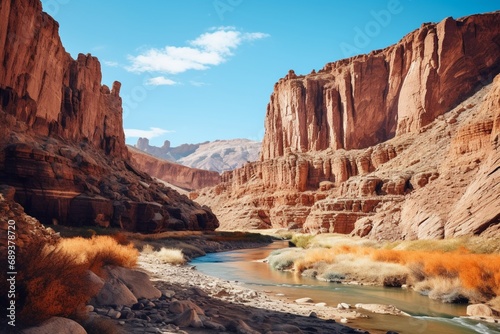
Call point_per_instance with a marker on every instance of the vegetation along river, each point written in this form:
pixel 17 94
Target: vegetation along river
pixel 428 316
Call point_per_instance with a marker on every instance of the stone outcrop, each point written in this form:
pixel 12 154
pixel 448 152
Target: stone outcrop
pixel 365 100
pixel 173 173
pixel 400 143
pixel 63 146
pixel 166 152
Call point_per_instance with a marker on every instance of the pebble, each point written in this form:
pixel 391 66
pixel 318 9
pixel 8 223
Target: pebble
pixel 304 300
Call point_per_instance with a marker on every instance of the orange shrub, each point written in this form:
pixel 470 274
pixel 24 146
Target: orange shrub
pixel 50 283
pixel 478 272
pixel 99 251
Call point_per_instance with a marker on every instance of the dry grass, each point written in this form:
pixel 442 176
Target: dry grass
pixel 302 240
pixel 350 263
pixel 164 255
pixel 56 280
pixel 50 283
pixel 283 259
pixel 99 251
pixel 163 235
pixel 451 270
pixel 170 255
pixel 479 273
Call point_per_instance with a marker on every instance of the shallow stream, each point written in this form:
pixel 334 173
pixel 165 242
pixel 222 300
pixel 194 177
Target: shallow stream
pixel 428 316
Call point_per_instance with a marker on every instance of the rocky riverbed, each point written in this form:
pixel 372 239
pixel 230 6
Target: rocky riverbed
pixel 192 302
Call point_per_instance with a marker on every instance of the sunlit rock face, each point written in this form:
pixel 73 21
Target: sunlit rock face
pixel 63 145
pixel 399 143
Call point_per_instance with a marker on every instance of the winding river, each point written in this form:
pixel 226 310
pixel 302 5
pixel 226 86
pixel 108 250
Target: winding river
pixel 428 316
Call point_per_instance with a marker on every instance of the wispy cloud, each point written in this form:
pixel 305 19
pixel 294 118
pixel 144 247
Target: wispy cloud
pixel 111 63
pixel 160 81
pixel 151 133
pixel 209 49
pixel 197 83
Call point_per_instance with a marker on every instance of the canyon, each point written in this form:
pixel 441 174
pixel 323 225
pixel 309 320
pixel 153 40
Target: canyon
pixel 193 166
pixel 401 143
pixel 63 151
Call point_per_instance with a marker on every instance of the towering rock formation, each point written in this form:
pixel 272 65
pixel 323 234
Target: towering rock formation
pixel 63 146
pixel 362 101
pixel 399 143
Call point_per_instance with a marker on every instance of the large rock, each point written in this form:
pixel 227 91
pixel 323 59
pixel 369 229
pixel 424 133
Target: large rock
pixel 136 281
pixel 57 325
pixel 63 147
pixel 479 310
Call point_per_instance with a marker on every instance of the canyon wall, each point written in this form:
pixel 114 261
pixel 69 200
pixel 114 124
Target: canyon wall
pixel 63 145
pixel 396 144
pixel 365 100
pixel 173 173
pixel 51 93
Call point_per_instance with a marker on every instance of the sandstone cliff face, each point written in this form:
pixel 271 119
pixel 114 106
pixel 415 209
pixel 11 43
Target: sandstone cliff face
pixel 178 175
pixel 54 95
pixel 384 145
pixel 63 147
pixel 362 101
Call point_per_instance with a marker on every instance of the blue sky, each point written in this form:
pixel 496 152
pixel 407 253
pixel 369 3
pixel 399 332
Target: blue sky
pixel 198 70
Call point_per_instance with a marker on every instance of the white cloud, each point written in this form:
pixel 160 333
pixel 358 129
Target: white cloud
pixel 151 133
pixel 160 81
pixel 209 49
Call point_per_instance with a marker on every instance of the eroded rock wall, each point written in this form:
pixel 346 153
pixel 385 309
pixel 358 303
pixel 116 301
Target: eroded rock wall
pixel 365 100
pixel 173 173
pixel 398 144
pixel 62 146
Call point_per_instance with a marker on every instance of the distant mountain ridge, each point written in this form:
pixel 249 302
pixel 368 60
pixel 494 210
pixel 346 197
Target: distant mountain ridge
pixel 219 155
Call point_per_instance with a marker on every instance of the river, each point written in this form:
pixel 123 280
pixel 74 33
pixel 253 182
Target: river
pixel 428 316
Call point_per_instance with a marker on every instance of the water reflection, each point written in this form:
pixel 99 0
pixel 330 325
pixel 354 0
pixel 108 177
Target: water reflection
pixel 429 316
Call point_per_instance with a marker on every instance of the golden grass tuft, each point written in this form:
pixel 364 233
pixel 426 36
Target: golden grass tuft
pixel 170 255
pixel 164 255
pixel 99 251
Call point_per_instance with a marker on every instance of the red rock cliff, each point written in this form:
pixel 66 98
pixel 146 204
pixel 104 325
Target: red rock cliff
pixel 54 95
pixel 401 143
pixel 63 146
pixel 176 174
pixel 365 100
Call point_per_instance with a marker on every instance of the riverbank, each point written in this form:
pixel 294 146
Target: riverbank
pixel 242 310
pixel 230 304
pixel 464 270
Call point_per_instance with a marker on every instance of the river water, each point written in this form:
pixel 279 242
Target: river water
pixel 428 316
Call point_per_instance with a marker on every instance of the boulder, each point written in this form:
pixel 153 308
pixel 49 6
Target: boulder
pixel 479 310
pixel 56 325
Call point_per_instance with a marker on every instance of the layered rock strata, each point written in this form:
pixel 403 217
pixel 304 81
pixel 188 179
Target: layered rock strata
pixel 362 101
pixel 173 173
pixel 63 147
pixel 385 145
